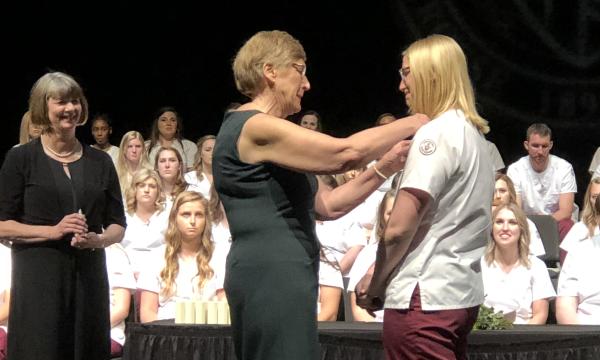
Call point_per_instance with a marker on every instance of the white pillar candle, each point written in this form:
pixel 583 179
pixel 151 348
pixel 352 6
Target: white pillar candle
pixel 222 312
pixel 189 312
pixel 228 315
pixel 200 307
pixel 179 312
pixel 211 312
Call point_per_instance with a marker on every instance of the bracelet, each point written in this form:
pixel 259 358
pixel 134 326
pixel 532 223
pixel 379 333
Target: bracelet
pixel 379 173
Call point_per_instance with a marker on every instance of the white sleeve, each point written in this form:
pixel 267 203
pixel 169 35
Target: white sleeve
pixel 432 160
pixel 330 276
pixel 568 184
pixel 568 281
pixel 514 175
pixel 120 272
pixel 541 286
pixel 149 277
pixel 5 268
pixel 577 233
pixel 536 245
pixel 366 257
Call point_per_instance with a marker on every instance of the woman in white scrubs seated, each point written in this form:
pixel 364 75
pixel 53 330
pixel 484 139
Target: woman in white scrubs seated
pixel 183 269
pixel 146 219
pixel 514 281
pixel 578 300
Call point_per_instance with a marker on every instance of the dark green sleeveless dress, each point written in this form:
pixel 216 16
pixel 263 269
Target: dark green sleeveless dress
pixel 271 278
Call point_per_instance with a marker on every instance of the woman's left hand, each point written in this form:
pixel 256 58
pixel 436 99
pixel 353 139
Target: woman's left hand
pixel 89 240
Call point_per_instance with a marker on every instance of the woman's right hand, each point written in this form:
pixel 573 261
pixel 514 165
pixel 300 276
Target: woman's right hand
pixel 70 224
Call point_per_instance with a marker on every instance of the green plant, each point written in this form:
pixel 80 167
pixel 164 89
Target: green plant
pixel 487 319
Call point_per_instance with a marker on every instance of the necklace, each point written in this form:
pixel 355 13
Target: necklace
pixel 64 155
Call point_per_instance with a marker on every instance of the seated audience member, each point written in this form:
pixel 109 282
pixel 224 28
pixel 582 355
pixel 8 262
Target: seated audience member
pixel 578 300
pixel 545 183
pixel 341 239
pixel 28 131
pixel 311 120
pixel 101 130
pixel 331 286
pixel 496 157
pixel 588 226
pixel 167 131
pixel 146 219
pixel 385 119
pixel 132 157
pixel 183 269
pixel 366 258
pixel 169 165
pixel 200 178
pixel 121 282
pixel 504 193
pixel 513 279
pixel 5 274
pixel 595 163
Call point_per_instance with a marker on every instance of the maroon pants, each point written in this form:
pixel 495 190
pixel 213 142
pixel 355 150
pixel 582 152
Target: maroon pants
pixel 417 334
pixel 116 349
pixel 2 344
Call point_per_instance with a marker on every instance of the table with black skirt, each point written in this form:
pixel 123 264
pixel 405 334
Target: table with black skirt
pixel 166 340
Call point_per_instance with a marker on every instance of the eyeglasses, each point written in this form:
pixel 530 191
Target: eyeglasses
pixel 301 68
pixel 404 73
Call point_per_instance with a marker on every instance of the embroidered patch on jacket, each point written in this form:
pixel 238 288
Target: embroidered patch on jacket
pixel 427 147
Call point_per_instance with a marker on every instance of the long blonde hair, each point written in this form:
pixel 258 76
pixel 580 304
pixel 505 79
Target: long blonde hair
pixel 198 165
pixel 139 177
pixel 590 215
pixel 26 124
pixel 524 240
pixel 174 240
pixel 180 183
pixel 441 79
pixel 123 172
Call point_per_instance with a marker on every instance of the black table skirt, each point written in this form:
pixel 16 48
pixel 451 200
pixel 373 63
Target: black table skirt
pixel 361 341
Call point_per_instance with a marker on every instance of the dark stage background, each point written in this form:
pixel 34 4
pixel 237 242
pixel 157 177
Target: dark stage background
pixel 531 61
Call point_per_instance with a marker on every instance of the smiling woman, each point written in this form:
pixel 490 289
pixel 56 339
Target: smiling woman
pixel 59 202
pixel 515 282
pixel 271 197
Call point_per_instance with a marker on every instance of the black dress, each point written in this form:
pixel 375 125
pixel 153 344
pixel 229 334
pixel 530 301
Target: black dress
pixel 59 297
pixel 272 268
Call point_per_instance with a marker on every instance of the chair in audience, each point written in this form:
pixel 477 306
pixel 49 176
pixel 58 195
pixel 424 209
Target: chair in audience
pixel 548 229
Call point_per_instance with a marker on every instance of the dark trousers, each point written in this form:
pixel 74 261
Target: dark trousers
pixel 416 334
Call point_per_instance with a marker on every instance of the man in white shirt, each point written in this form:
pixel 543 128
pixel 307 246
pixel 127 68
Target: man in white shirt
pixel 545 183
